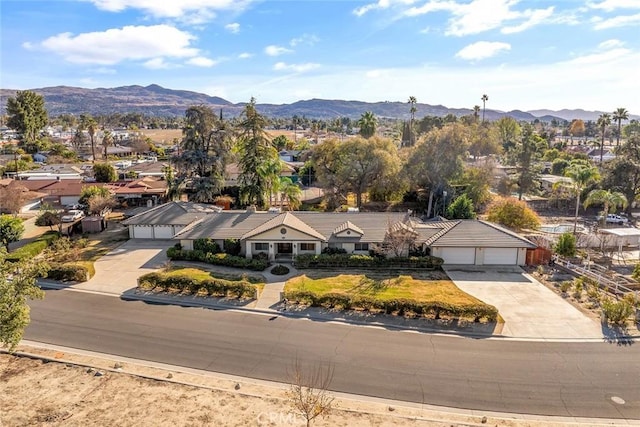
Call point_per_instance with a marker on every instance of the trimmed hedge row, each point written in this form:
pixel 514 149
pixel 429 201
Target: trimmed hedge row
pixel 217 259
pixel 189 285
pixel 399 306
pixel 32 249
pixel 68 273
pixel 343 260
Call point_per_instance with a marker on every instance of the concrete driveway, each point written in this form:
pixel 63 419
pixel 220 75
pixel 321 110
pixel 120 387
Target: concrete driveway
pixel 529 309
pixel 118 271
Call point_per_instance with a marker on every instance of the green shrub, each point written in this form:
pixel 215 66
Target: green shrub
pixel 565 286
pixel 68 273
pixel 33 249
pixel 566 245
pixel 365 261
pixel 636 272
pixel 217 259
pixel 616 312
pixel 280 270
pixel 334 300
pixel 232 247
pixel 207 246
pixel 189 285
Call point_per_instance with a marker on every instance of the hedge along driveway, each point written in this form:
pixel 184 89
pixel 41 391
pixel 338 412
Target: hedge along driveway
pixel 118 270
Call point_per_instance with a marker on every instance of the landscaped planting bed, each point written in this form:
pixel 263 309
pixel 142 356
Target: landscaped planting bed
pixel 402 295
pixel 192 281
pixel 366 261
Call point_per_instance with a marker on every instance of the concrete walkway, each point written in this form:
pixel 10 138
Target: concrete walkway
pixel 529 309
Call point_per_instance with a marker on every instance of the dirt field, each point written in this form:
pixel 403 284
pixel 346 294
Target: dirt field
pixel 68 392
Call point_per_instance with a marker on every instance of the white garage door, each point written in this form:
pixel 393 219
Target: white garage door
pixel 163 231
pixel 501 256
pixel 142 232
pixel 459 255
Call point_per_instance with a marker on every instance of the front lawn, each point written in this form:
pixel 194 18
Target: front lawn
pixel 402 286
pixel 400 295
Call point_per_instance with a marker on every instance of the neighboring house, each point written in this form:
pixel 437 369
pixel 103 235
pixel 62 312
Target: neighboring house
pixel 285 235
pixel 53 171
pixel 16 196
pixel 165 221
pixel 548 181
pixel 233 172
pixel 607 155
pixel 147 191
pixel 143 169
pixel 65 191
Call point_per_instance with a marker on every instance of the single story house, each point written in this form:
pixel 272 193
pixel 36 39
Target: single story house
pixel 148 191
pixel 285 235
pixel 165 221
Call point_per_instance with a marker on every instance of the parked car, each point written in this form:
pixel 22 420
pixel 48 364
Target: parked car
pixel 614 219
pixel 72 215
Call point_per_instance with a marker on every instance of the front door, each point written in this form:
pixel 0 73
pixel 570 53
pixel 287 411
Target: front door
pixel 285 248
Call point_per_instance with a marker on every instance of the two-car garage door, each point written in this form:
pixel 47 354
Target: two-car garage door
pixel 492 256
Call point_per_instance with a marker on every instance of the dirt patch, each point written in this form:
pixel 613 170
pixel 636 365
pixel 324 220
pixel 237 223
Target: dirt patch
pixel 68 392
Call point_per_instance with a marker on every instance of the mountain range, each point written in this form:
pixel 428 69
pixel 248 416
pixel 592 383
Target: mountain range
pixel 155 100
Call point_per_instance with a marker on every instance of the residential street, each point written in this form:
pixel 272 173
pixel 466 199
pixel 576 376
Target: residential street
pixel 564 379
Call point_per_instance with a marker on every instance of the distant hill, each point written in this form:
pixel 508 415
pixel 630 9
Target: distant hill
pixel 155 100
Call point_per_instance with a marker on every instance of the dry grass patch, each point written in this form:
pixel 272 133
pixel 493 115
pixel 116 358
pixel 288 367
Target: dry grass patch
pixel 402 286
pixel 163 136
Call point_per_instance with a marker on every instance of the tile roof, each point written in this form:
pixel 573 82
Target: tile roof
pixel 348 225
pixel 172 213
pixel 476 233
pixel 288 219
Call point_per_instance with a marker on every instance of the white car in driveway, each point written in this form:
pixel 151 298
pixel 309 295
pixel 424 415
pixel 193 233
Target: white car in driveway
pixel 72 215
pixel 615 219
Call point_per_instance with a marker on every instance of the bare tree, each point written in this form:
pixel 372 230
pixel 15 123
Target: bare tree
pixel 309 392
pixel 399 239
pixel 101 205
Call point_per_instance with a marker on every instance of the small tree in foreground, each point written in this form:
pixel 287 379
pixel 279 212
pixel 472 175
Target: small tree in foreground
pixel 461 208
pixel 513 213
pixel 309 392
pixel 616 312
pixel 11 229
pixel 18 283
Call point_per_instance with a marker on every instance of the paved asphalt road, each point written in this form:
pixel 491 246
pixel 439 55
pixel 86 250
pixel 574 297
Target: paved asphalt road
pixel 564 379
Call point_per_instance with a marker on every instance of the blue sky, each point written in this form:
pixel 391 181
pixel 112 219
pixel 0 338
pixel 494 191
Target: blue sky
pixel 522 54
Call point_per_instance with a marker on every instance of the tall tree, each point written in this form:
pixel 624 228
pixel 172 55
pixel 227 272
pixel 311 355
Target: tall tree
pixel 107 140
pixel 582 175
pixel 577 128
pixel 27 115
pixel 411 128
pixel 623 173
pixel 476 112
pixel 603 122
pixel 525 155
pixel 619 115
pixel 255 149
pixel 90 125
pixel 367 124
pixel 205 151
pixel 290 193
pixel 437 159
pixel 484 99
pixel 508 132
pixel 18 284
pixel 609 199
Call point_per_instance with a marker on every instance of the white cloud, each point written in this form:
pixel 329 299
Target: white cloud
pixel 194 11
pixel 273 50
pixel 307 39
pixel 245 55
pixel 156 64
pixel 380 4
pixel 103 70
pixel 233 28
pixel 618 21
pixel 600 58
pixel 297 68
pixel 610 44
pixel 482 50
pixel 27 45
pixel 201 61
pixel 535 17
pixel 120 44
pixel 610 5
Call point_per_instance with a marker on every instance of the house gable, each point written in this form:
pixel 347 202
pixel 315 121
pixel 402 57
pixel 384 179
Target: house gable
pixel 286 221
pixel 348 229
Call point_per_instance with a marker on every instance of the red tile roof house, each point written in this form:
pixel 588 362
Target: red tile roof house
pixel 285 235
pixel 147 191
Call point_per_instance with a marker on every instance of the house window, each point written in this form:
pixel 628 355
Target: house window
pixel 261 246
pixel 361 247
pixel 307 246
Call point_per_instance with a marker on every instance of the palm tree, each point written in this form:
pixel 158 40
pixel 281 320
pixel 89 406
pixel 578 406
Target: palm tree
pixel 367 124
pixel 603 121
pixel 610 199
pixel 290 193
pixel 582 175
pixel 412 100
pixel 476 112
pixel 484 99
pixel 619 115
pixel 107 140
pixel 87 122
